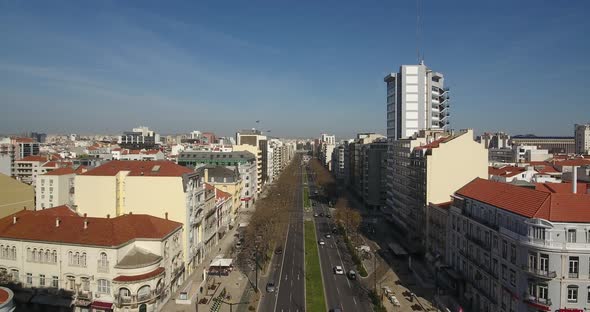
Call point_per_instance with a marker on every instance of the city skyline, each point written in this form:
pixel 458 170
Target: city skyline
pixel 107 67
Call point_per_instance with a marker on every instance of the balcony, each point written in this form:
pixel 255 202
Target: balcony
pixel 573 274
pixel 537 302
pixel 479 242
pixel 84 294
pixel 544 274
pixel 135 299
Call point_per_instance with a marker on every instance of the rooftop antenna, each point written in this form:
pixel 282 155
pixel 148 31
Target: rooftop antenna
pixel 419 32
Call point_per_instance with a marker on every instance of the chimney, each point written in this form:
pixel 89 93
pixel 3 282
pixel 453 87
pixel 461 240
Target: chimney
pixel 108 216
pixel 130 213
pixel 574 179
pixel 57 221
pixel 166 214
pixel 85 215
pixel 14 219
pixel 85 224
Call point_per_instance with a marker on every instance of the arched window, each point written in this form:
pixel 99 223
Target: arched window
pixel 13 252
pixel 54 256
pixel 83 259
pixel 160 287
pixel 124 292
pixel 143 293
pixel 40 255
pixel 34 255
pixel 70 258
pixel 47 256
pixel 103 260
pixel 77 258
pixel 2 252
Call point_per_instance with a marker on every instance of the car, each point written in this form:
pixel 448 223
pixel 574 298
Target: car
pixel 239 244
pixel 315 215
pixel 352 274
pixel 334 230
pixel 329 216
pixel 328 235
pixel 338 270
pixel 270 287
pixel 279 251
pixel 321 242
pixel 321 214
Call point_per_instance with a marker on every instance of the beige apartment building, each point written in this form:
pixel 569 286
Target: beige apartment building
pixel 428 168
pixel 258 153
pixel 228 181
pixel 158 188
pixel 15 196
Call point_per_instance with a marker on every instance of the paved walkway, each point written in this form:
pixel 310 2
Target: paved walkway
pixel 234 284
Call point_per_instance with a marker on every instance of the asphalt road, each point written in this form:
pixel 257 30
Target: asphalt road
pixel 287 271
pixel 341 292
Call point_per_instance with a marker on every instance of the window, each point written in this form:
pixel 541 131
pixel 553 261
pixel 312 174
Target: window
pixel 512 278
pixel 83 259
pixel 104 286
pixel 504 249
pixel 85 283
pixel 574 267
pixel 54 256
pixel 103 260
pixel 15 275
pixel 495 267
pixel 543 292
pixel 513 253
pixel 504 272
pixel 571 236
pixel 55 282
pixel 544 263
pixel 70 282
pixel 572 293
pixel 532 261
pixel 29 279
pixel 42 280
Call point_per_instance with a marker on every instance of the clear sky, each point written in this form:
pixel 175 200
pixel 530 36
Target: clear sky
pixel 301 67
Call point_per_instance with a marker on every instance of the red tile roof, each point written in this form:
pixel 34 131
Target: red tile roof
pixel 60 171
pixel 436 143
pixel 23 140
pixel 38 158
pixel 139 168
pixel 81 169
pixel 564 188
pixel 530 203
pixel 40 226
pixel 507 171
pixel 141 277
pixel 573 162
pixel 57 164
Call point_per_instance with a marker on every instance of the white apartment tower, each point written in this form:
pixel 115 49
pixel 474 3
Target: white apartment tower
pixel 582 135
pixel 416 100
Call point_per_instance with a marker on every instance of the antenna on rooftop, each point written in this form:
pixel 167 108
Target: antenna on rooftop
pixel 419 31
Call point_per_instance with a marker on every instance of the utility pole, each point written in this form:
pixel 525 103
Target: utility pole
pixel 256 265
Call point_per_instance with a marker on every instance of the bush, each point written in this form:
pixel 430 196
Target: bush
pixel 251 308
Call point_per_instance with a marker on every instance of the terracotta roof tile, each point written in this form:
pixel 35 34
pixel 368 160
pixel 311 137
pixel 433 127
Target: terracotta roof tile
pixel 38 158
pixel 41 226
pixel 138 168
pixel 573 162
pixel 530 203
pixel 60 171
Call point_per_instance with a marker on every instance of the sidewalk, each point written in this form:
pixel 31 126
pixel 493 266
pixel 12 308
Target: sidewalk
pixel 234 284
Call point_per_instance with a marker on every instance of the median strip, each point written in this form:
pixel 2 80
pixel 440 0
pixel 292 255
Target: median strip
pixel 314 287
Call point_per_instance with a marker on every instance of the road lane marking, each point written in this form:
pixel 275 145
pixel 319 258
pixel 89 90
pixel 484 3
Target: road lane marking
pixel 353 299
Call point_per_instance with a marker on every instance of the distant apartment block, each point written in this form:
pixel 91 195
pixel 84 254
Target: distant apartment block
pixel 416 100
pixel 139 138
pixel 553 144
pixel 582 137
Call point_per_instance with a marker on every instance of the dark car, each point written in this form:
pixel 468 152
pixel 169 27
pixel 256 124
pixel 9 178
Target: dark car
pixel 352 274
pixel 279 251
pixel 270 287
pixel 321 214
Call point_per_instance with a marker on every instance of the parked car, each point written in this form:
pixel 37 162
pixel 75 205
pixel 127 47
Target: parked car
pixel 352 274
pixel 328 235
pixel 270 287
pixel 338 270
pixel 321 214
pixel 321 242
pixel 279 251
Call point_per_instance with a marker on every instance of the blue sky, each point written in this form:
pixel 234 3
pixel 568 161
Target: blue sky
pixel 301 67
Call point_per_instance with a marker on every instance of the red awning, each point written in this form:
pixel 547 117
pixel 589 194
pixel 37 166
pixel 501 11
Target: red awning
pixel 570 310
pixel 102 305
pixel 141 277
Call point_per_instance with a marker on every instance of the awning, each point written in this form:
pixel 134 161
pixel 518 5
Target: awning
pixel 140 277
pixel 397 249
pixel 102 305
pixel 221 262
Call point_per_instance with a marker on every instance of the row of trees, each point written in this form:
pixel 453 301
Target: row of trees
pixel 269 222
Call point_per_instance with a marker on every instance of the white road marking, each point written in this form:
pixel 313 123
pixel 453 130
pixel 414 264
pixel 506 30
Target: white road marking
pixel 353 299
pixel 286 275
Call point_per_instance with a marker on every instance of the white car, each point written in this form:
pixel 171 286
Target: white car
pixel 321 242
pixel 338 270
